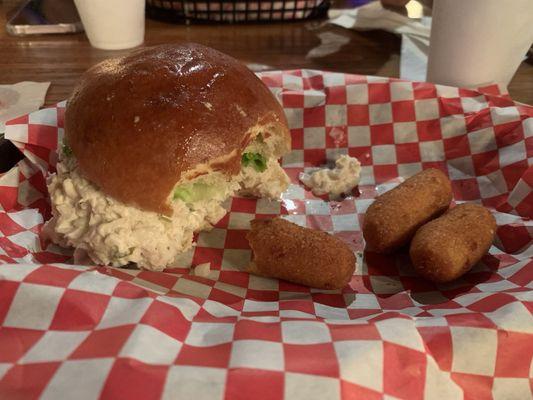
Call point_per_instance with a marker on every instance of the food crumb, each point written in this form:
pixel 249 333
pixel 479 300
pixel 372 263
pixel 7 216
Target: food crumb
pixel 202 270
pixel 241 111
pixel 337 181
pixel 136 119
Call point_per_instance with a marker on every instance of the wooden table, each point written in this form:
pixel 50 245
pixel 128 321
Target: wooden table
pixel 61 59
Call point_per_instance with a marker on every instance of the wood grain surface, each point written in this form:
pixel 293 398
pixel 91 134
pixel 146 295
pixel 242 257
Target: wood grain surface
pixel 62 58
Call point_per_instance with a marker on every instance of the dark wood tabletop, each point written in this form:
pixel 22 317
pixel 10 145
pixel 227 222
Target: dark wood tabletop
pixel 62 58
pixel 315 44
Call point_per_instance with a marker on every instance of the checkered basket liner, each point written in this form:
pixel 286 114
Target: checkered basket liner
pixel 69 331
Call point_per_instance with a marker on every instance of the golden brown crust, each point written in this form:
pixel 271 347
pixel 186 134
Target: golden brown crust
pixel 447 247
pixel 137 123
pixel 393 218
pixel 309 257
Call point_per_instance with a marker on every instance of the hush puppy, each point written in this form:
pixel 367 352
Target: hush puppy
pixel 444 249
pixel 393 218
pixel 305 256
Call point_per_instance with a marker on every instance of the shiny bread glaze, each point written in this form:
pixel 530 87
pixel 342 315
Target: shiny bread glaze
pixel 137 123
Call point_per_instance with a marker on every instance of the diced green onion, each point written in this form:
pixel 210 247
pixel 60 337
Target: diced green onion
pixel 67 151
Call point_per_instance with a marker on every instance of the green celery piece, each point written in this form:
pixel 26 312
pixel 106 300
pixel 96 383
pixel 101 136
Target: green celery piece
pixel 191 193
pixel 255 160
pixel 184 193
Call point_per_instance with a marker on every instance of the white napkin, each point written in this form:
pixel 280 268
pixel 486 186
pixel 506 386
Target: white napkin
pixel 20 99
pixel 374 16
pixel 414 55
pixel 415 34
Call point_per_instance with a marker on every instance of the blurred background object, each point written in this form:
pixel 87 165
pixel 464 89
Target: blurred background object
pixel 309 43
pixel 394 3
pixel 412 23
pixel 113 24
pixel 34 17
pixel 235 11
pixel 473 44
pixel 476 43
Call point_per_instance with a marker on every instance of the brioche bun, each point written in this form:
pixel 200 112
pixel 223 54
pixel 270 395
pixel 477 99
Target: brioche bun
pixel 140 124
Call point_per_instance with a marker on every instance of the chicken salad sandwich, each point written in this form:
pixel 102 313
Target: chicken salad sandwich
pixel 155 142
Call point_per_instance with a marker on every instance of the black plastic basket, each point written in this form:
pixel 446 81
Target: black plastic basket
pixel 234 11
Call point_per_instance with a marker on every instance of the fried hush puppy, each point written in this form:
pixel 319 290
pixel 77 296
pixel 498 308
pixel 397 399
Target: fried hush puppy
pixel 446 248
pixel 393 218
pixel 284 250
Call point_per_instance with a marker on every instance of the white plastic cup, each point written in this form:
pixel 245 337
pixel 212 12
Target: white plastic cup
pixel 475 43
pixel 112 24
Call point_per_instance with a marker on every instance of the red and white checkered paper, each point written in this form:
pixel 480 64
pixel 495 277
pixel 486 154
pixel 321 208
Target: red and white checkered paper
pixel 94 332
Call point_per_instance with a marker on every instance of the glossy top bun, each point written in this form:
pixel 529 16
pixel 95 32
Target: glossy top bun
pixel 141 123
